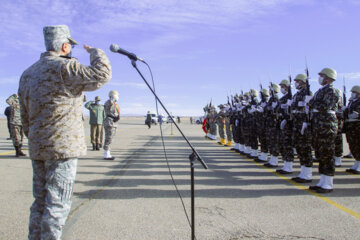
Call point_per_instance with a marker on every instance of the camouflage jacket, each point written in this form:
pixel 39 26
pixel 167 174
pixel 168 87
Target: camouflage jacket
pixel 297 108
pixel 352 124
pixel 15 117
pixel 51 100
pixel 111 113
pixel 283 109
pixel 326 99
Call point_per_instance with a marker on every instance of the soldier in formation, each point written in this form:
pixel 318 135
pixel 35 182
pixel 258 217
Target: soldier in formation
pixel 97 115
pixel 51 95
pixel 290 125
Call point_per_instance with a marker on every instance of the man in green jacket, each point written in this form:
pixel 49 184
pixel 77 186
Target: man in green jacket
pixel 97 115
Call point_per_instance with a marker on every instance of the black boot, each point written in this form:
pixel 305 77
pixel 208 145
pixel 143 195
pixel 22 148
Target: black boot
pixel 97 147
pixel 17 151
pixel 20 152
pixel 100 145
pixel 94 147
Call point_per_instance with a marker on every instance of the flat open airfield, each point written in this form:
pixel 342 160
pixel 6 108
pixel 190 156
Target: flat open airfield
pixel 133 196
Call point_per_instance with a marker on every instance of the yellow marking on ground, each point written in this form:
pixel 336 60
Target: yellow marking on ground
pixel 5 153
pixel 345 209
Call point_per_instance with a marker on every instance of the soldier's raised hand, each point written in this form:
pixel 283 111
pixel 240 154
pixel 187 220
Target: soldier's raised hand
pixel 87 48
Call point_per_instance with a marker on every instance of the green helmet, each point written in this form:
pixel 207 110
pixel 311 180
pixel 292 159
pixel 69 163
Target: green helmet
pixel 97 98
pixel 246 94
pixel 275 87
pixel 356 89
pixel 285 82
pixel 113 92
pixel 266 92
pixel 329 72
pixel 253 92
pixel 301 77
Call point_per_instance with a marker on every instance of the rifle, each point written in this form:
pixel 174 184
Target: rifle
pixel 307 78
pixel 344 93
pixel 262 94
pixel 290 94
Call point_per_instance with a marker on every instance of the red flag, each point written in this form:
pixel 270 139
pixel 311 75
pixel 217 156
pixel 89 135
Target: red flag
pixel 204 125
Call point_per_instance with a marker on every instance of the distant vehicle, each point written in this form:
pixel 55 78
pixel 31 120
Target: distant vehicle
pixel 168 119
pixel 154 119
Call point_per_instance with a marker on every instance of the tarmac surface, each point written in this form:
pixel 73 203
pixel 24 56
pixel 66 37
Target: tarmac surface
pixel 133 197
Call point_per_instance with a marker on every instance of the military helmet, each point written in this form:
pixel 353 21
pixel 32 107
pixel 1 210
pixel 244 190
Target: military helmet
pixel 275 87
pixel 246 94
pixel 113 92
pixel 265 92
pixel 253 92
pixel 329 72
pixel 221 106
pixel 97 98
pixel 356 89
pixel 285 82
pixel 301 77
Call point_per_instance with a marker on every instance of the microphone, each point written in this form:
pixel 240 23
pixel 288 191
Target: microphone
pixel 115 48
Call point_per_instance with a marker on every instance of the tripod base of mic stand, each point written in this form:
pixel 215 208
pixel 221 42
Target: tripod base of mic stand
pixel 192 158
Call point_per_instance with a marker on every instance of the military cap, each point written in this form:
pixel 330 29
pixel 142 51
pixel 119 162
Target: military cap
pixel 356 89
pixel 285 82
pixel 97 98
pixel 329 72
pixel 58 32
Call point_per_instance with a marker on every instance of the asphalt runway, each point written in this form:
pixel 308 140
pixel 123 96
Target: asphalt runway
pixel 133 197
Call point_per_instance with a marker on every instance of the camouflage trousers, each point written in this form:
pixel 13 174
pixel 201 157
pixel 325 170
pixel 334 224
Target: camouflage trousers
pixel 235 133
pixel 228 132
pixel 53 182
pixel 263 141
pixel 253 136
pixel 221 130
pixel 339 145
pixel 286 143
pixel 324 130
pixel 213 128
pixel 17 134
pixel 109 134
pixel 272 138
pixel 352 136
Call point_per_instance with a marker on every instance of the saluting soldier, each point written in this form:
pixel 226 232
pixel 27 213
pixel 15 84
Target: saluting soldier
pixel 220 120
pixel 272 123
pixel 286 141
pixel 112 115
pixel 97 115
pixel 302 139
pixel 16 127
pixel 352 128
pixel 324 125
pixel 51 100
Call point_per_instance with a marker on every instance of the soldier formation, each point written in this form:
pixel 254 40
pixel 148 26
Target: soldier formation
pixel 291 125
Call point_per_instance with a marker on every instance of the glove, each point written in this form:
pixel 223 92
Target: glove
pixel 260 109
pixel 263 104
pixel 301 104
pixel 304 127
pixel 289 102
pixel 236 122
pixel 282 124
pixel 353 115
pixel 308 98
pixel 274 104
pixel 115 119
pixel 306 110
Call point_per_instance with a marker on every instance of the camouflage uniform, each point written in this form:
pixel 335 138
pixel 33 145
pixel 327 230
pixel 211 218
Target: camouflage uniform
pixel 253 136
pixel 262 127
pixel 246 126
pixel 272 123
pixel 220 120
pixel 302 142
pixel 240 127
pixel 352 130
pixel 16 127
pixel 339 137
pixel 286 143
pixel 112 115
pixel 324 126
pixel 228 127
pixel 212 123
pixel 51 100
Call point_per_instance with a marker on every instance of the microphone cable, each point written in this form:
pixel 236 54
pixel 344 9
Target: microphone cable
pixel 164 148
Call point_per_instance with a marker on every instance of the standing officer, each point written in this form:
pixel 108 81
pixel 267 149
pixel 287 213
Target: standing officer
pixel 352 128
pixel 51 98
pixel 302 139
pixel 97 115
pixel 112 113
pixel 286 144
pixel 220 119
pixel 7 113
pixel 16 127
pixel 324 126
pixel 212 123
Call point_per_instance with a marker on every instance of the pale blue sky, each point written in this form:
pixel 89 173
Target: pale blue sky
pixel 197 49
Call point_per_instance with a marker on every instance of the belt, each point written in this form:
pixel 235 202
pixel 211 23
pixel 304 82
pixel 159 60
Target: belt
pixel 317 111
pixel 352 120
pixel 297 111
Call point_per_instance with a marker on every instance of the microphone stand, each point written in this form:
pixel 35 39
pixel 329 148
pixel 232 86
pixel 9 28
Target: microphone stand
pixel 192 157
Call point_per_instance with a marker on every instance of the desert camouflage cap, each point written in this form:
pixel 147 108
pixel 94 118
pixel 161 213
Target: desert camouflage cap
pixel 58 32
